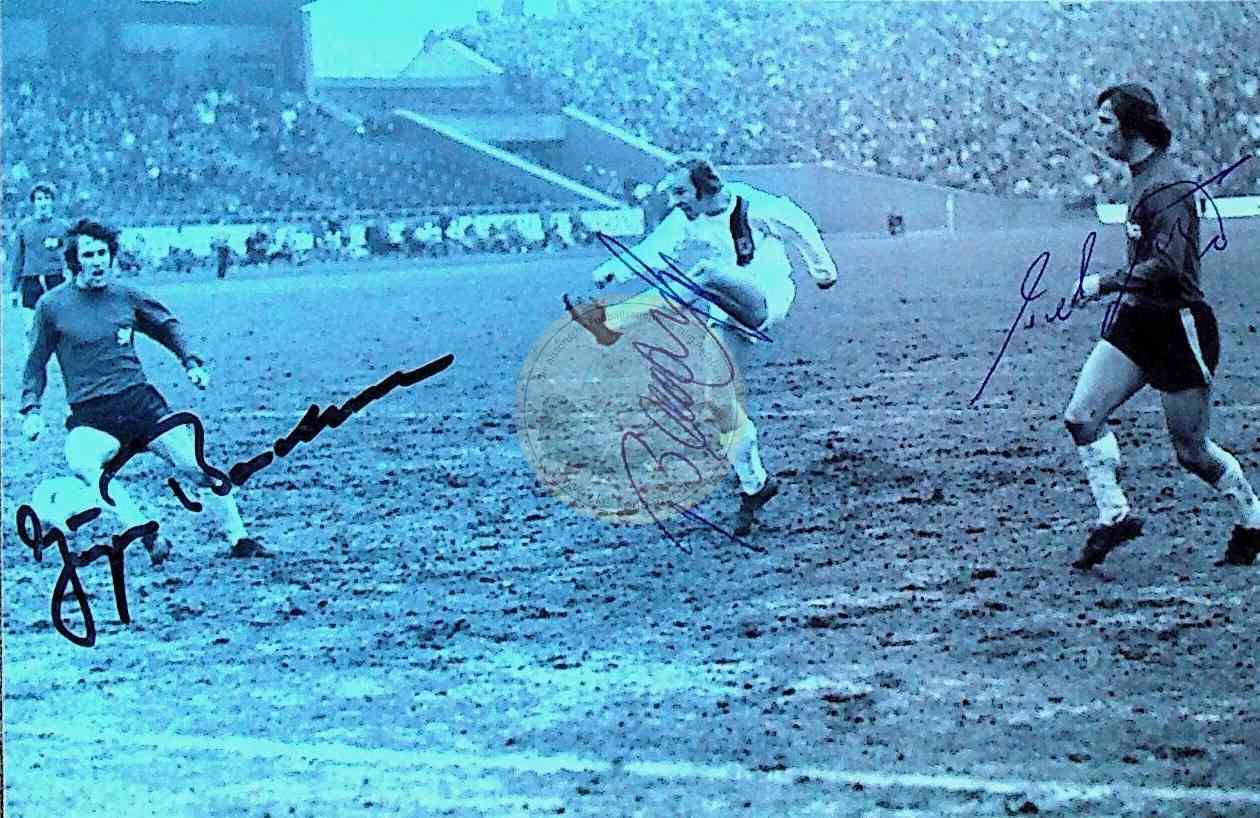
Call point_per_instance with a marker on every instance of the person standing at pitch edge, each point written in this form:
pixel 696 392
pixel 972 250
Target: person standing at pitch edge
pixel 90 325
pixel 1163 333
pixel 743 234
pixel 38 244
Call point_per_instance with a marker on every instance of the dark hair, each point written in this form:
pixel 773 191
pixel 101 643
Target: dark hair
pixel 95 230
pixel 704 176
pixel 47 187
pixel 1138 113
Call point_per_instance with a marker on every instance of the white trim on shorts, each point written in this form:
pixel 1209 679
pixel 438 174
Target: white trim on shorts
pixel 1192 337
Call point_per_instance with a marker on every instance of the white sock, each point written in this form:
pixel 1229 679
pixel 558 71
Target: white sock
pixel 746 458
pixel 1234 486
pixel 1101 459
pixel 229 516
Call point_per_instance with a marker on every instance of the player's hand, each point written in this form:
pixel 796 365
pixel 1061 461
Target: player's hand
pixel 1086 291
pixel 199 377
pixel 32 425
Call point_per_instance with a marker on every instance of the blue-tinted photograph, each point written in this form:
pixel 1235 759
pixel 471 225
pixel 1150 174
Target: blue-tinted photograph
pixel 630 409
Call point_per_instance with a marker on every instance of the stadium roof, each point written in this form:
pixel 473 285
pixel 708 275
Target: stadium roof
pixel 175 11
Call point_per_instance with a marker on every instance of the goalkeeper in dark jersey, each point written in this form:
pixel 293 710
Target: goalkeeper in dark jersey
pixel 89 325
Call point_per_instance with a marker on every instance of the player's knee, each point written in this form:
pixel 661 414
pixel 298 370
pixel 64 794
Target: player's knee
pixel 85 460
pixel 1194 456
pixel 190 471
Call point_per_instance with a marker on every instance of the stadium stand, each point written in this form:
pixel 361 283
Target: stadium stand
pixel 973 96
pixel 986 99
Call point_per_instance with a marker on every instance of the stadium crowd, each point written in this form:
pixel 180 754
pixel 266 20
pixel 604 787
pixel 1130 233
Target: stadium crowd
pixel 221 149
pixel 987 97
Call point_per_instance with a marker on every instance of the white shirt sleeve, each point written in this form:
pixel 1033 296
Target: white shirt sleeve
pixel 664 239
pixel 802 233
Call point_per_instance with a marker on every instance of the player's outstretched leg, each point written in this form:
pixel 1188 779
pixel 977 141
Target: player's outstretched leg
pixel 735 294
pixel 1188 415
pixel 87 451
pixel 592 316
pixel 724 287
pixel 28 325
pixel 176 447
pixel 1107 380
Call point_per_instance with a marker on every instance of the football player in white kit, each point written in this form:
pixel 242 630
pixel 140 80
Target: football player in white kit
pixel 746 275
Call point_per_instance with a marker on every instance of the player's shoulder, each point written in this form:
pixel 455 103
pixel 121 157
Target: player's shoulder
pixel 747 191
pixel 1170 184
pixel 55 300
pixel 126 292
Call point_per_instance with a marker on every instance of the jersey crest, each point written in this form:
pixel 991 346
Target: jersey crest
pixel 741 233
pixel 124 336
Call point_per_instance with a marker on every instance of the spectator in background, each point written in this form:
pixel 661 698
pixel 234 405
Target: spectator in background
pixel 223 254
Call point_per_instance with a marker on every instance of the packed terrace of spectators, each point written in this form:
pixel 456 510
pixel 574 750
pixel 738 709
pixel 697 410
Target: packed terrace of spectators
pixel 991 97
pixel 986 97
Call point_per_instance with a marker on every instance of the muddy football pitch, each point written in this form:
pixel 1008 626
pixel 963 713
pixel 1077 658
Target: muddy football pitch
pixel 439 635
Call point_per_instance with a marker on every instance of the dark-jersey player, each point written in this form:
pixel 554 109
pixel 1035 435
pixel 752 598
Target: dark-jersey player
pixel 1163 334
pixel 37 261
pixel 90 325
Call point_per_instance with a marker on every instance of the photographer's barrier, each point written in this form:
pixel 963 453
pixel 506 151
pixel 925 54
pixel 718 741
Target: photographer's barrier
pixel 1234 207
pixel 153 244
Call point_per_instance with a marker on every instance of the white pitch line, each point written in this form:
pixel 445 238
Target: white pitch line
pixel 673 770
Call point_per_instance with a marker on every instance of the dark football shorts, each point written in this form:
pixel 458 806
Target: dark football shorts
pixel 35 286
pixel 129 416
pixel 1176 349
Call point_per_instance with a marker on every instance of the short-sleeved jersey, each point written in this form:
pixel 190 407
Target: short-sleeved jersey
pixel 39 248
pixel 92 334
pixel 1163 231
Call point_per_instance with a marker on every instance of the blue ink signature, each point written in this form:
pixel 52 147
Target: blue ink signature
pixel 663 281
pixel 1218 242
pixel 668 392
pixel 660 280
pixel 31 529
pixel 1028 288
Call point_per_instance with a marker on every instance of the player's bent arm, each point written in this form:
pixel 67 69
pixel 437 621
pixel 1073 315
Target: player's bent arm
pixel 43 342
pixel 1169 222
pixel 157 322
pixel 662 240
pixel 803 233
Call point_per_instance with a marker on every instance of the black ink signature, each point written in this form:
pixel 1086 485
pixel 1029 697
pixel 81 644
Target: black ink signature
pixel 1032 276
pixel 31 528
pixel 307 429
pixel 661 281
pixel 32 533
